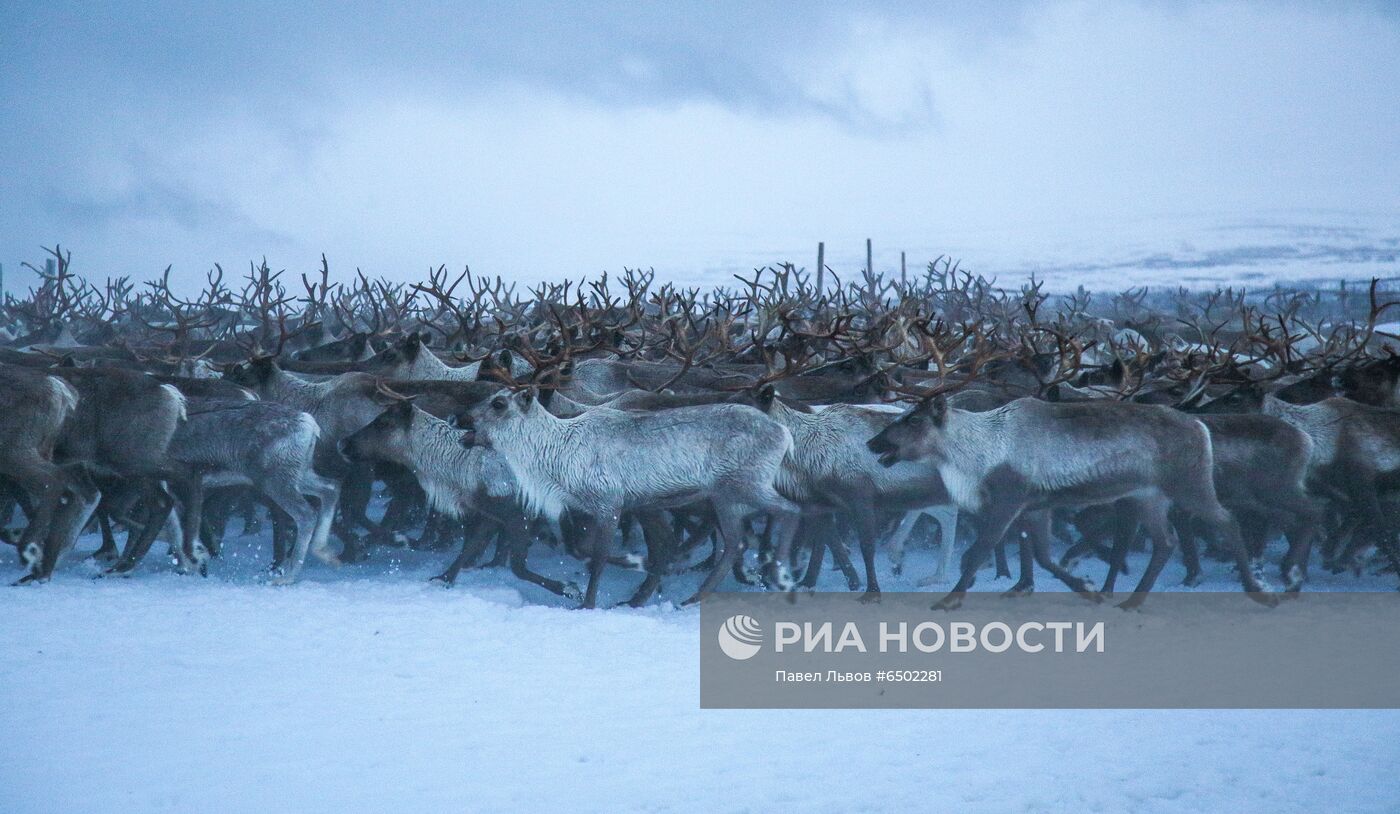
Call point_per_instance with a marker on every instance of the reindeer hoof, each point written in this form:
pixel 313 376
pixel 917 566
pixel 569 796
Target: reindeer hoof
pixel 1133 602
pixel 1017 591
pixel 1268 599
pixel 870 598
pixel 443 580
pixel 30 579
pixel 952 601
pixel 1192 580
pixel 571 591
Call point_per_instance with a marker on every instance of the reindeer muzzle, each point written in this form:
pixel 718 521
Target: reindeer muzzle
pixel 888 452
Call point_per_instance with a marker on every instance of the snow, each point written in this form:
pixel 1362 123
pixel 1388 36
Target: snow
pixel 1192 249
pixel 366 688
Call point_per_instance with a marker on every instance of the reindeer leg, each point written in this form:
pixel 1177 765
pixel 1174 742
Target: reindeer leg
pixel 1124 530
pixel 108 551
pixel 660 541
pixel 868 529
pixel 900 538
pixel 1003 569
pixel 1300 541
pixel 1154 518
pixel 519 542
pixel 1025 584
pixel 1191 558
pixel 1040 532
pixel 814 563
pixel 727 544
pixel 475 537
pixel 991 527
pixel 159 504
pixel 841 556
pixel 600 534
pixel 947 538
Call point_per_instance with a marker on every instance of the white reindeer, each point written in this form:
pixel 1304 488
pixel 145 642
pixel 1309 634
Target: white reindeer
pixel 605 462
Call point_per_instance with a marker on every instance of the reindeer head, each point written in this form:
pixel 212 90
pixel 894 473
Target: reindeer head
pixel 916 434
pixel 496 415
pixel 1372 382
pixel 385 438
pixel 252 374
pixel 496 367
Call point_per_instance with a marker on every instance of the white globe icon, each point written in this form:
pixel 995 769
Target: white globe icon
pixel 740 637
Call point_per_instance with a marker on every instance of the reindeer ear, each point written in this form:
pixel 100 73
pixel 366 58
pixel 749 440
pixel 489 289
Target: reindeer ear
pixel 505 360
pixel 938 409
pixel 765 396
pixel 412 344
pixel 526 398
pixel 1116 372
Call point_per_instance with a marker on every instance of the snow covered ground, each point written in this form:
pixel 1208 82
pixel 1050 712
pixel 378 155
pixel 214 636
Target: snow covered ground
pixel 368 689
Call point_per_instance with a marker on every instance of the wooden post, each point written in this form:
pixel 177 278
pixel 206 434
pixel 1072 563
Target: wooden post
pixel 2 282
pixel 821 267
pixel 903 272
pixel 50 267
pixel 869 267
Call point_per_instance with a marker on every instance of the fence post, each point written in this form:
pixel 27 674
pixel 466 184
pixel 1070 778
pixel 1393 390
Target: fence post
pixel 869 266
pixel 50 267
pixel 821 267
pixel 903 272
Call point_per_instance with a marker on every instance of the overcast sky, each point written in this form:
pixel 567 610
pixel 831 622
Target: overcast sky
pixel 539 140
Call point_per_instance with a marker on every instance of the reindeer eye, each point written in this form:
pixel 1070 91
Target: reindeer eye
pixel 498 403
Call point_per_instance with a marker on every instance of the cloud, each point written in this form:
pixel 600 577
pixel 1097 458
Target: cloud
pixel 542 139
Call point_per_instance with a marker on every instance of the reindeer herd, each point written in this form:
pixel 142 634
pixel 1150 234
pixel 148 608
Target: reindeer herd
pixel 749 432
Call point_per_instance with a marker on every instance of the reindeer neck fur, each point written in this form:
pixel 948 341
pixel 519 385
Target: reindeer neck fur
pixel 829 458
pixel 539 449
pixel 448 472
pixel 428 366
pixel 973 445
pixel 1321 421
pixel 294 391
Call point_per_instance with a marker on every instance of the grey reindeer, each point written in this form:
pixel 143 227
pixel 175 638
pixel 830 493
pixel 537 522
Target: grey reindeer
pixel 604 462
pixel 265 445
pixel 830 467
pixel 459 482
pixel 33 410
pixel 1033 455
pixel 120 431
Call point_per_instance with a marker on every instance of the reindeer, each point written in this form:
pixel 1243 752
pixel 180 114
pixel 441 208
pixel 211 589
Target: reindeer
pixel 1356 450
pixel 35 407
pixel 264 445
pixel 121 429
pixel 1034 455
pixel 831 468
pixel 605 462
pixel 459 482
